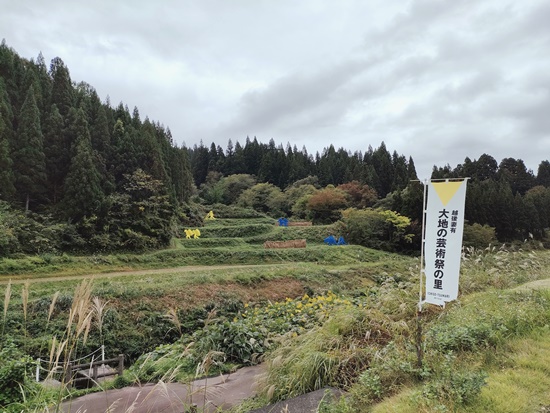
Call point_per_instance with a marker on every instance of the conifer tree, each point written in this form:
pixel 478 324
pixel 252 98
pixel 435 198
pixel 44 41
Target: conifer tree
pixel 381 160
pixel 252 156
pixel 7 189
pixel 99 125
pixel 411 170
pixel 543 174
pixel 151 160
pixel 62 89
pixel 28 157
pixel 124 159
pixel 181 174
pixel 400 173
pixel 6 113
pixel 57 154
pixel 12 71
pixel 82 191
pixel 515 172
pixel 45 82
pixel 485 168
pixel 101 144
pixel 31 79
pixel 216 158
pixel 199 164
pixel 239 166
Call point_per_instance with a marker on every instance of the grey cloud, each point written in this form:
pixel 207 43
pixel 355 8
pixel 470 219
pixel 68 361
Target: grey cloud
pixel 471 75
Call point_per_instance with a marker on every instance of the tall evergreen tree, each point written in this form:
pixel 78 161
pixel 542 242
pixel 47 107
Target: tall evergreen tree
pixel 199 164
pixel 539 197
pixel 124 159
pixel 486 167
pixel 252 156
pixel 229 167
pixel 216 158
pixel 45 82
pixel 239 166
pixel 6 113
pixel 101 143
pixel 56 150
pixel 28 156
pixel 515 172
pixel 62 88
pixel 400 172
pixel 182 179
pixel 270 169
pixel 152 161
pixel 12 71
pixel 543 174
pixel 82 193
pixel 31 79
pixel 411 170
pixel 382 163
pixel 7 189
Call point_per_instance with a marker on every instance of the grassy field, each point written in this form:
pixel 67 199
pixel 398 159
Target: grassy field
pixel 324 315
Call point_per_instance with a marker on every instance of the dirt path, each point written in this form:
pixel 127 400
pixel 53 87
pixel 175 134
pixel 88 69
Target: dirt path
pixel 535 285
pixel 172 270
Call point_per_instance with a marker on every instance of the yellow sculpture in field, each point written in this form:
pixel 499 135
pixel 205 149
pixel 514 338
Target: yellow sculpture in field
pixel 209 216
pixel 195 233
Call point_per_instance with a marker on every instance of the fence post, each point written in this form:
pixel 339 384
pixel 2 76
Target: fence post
pixel 69 374
pixel 102 352
pixel 120 364
pixel 95 373
pixel 38 369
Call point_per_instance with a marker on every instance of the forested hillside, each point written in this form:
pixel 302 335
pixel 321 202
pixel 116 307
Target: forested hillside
pixel 107 177
pixel 77 174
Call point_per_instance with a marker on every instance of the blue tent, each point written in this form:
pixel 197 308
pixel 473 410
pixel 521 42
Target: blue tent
pixel 283 222
pixel 330 240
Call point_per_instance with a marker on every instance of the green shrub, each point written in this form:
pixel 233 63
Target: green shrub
pixel 479 236
pixel 377 228
pixel 15 375
pixel 233 211
pixel 452 387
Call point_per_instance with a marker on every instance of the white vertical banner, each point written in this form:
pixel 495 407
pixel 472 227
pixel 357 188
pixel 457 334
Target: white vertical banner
pixel 443 240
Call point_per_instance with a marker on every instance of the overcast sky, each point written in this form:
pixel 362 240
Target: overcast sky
pixel 436 80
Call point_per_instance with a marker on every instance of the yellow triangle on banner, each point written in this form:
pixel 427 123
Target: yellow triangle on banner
pixel 446 190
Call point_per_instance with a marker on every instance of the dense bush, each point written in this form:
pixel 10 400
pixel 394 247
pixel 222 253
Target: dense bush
pixel 138 218
pixel 15 374
pixel 30 233
pixel 452 386
pixel 324 206
pixel 234 211
pixel 377 228
pixel 479 236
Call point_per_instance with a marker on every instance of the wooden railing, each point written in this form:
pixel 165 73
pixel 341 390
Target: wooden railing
pixel 73 369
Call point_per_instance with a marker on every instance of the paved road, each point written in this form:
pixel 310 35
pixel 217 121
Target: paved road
pixel 208 395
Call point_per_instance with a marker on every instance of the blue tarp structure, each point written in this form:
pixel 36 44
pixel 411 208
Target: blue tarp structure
pixel 283 222
pixel 331 240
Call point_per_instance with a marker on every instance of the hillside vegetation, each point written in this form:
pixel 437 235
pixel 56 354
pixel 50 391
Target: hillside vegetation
pixel 324 315
pixel 97 208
